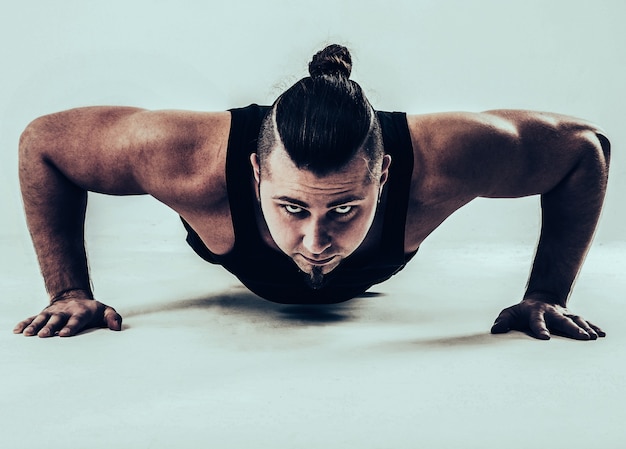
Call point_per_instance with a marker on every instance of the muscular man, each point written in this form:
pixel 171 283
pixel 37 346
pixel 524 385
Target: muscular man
pixel 314 199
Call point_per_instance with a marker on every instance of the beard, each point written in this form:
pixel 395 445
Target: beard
pixel 315 279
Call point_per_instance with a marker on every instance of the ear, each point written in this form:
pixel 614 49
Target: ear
pixel 256 168
pixel 384 173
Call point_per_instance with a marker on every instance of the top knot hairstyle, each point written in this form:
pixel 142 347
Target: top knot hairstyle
pixel 324 120
pixel 334 60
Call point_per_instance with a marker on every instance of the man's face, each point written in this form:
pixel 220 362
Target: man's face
pixel 317 221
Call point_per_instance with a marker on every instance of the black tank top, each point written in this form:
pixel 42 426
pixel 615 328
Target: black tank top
pixel 273 275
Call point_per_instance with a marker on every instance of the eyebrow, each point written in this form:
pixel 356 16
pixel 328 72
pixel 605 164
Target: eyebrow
pixel 339 202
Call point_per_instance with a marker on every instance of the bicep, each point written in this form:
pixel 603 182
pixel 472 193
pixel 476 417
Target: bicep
pixel 88 146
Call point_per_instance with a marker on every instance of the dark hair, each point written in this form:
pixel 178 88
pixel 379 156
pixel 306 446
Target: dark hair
pixel 323 120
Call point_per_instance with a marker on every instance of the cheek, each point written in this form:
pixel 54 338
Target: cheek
pixel 358 231
pixel 351 235
pixel 280 228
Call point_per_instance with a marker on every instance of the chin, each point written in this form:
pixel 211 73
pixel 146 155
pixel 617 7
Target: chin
pixel 315 275
pixel 309 268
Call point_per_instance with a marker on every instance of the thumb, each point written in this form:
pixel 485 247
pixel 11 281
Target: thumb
pixel 112 319
pixel 503 323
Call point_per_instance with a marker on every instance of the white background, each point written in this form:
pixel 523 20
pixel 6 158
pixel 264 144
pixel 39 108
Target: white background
pixel 415 55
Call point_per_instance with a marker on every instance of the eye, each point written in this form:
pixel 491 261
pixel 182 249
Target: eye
pixel 293 209
pixel 343 210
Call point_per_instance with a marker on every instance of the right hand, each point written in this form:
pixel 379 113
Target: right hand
pixel 67 317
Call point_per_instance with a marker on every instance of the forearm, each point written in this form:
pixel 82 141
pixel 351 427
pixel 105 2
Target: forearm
pixel 60 248
pixel 557 262
pixel 55 214
pixel 570 214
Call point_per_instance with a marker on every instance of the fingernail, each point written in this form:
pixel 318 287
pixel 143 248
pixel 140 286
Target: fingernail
pixel 64 332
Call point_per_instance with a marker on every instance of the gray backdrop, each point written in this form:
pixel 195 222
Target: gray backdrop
pixel 413 55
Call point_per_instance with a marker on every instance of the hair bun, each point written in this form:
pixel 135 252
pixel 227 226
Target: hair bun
pixel 334 60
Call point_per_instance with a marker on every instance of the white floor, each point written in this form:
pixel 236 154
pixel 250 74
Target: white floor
pixel 202 362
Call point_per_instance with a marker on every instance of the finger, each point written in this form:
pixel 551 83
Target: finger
pixel 74 325
pixel 112 319
pixel 19 327
pixel 503 322
pixel 538 326
pixel 36 324
pixel 599 331
pixel 52 326
pixel 567 327
pixel 77 323
pixel 593 335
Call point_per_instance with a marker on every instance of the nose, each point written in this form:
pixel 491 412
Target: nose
pixel 316 238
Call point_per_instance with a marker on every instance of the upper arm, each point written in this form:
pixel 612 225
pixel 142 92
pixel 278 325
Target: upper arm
pixel 504 153
pixel 548 148
pixel 118 150
pixel 79 144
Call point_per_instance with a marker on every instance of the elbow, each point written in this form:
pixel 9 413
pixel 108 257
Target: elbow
pixel 30 139
pixel 33 150
pixel 26 140
pixel 594 160
pixel 596 149
pixel 605 148
pixel 39 139
pixel 601 151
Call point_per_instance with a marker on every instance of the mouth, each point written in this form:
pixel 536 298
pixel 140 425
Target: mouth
pixel 318 262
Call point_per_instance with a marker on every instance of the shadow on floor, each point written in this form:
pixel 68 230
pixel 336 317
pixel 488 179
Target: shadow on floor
pixel 444 343
pixel 240 301
pixel 479 339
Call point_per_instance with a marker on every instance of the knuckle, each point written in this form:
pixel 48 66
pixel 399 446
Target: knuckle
pixel 65 315
pixel 43 315
pixel 81 315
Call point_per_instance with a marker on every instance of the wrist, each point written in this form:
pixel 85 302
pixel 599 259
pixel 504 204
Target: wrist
pixel 71 293
pixel 546 297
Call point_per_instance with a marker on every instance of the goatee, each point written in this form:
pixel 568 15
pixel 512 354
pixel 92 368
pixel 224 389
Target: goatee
pixel 315 279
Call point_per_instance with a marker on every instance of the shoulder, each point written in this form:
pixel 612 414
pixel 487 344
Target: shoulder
pixel 495 124
pixel 176 141
pixel 459 128
pixel 451 150
pixel 494 152
pixel 179 156
pixel 105 123
pixel 132 130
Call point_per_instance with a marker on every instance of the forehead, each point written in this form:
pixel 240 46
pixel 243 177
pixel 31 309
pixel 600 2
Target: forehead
pixel 281 171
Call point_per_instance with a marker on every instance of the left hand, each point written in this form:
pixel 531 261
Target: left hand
pixel 539 318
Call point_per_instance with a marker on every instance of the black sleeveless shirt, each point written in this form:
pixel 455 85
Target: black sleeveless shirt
pixel 273 275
